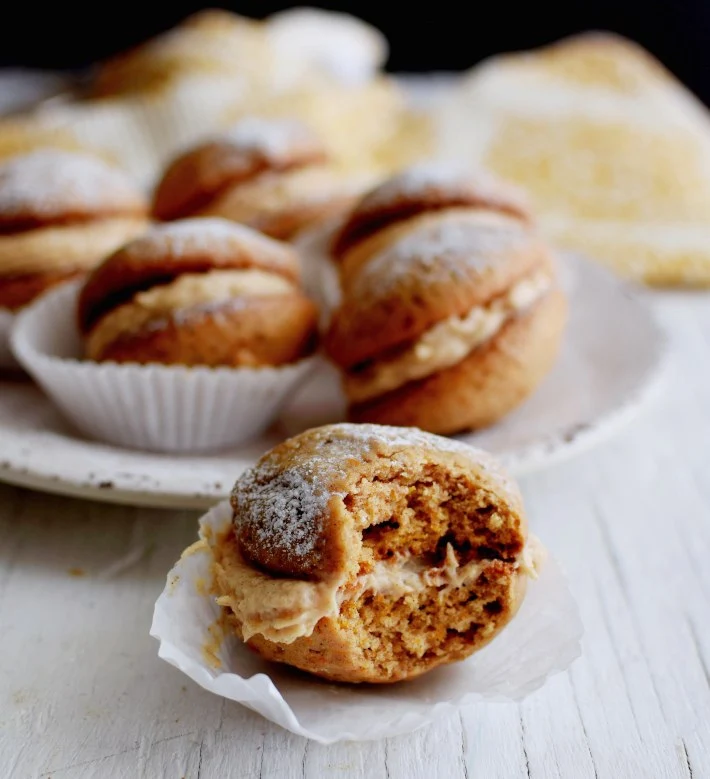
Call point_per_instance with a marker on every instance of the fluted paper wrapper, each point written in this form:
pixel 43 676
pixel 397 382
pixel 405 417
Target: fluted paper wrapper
pixel 7 359
pixel 544 638
pixel 154 407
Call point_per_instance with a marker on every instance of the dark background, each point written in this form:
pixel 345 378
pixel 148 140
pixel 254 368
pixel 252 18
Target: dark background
pixel 435 35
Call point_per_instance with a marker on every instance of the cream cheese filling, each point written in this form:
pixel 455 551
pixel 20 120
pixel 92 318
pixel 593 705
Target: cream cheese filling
pixel 532 558
pixel 283 610
pixel 446 343
pixel 274 194
pixel 407 575
pixel 59 248
pixel 188 291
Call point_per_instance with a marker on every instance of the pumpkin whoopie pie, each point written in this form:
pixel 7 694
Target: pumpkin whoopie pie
pixel 61 213
pixel 199 292
pixel 271 174
pixel 451 313
pixel 364 553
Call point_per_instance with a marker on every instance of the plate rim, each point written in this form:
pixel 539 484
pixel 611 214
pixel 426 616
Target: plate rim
pixel 554 448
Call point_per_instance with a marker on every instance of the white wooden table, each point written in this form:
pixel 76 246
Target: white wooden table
pixel 83 693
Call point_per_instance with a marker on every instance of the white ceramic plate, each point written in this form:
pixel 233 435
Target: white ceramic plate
pixel 610 363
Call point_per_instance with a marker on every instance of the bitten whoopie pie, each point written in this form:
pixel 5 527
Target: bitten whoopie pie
pixel 363 553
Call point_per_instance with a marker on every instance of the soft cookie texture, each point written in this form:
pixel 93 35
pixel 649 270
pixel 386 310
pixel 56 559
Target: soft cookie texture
pixel 61 213
pixel 272 175
pixel 364 553
pixel 198 292
pixel 451 313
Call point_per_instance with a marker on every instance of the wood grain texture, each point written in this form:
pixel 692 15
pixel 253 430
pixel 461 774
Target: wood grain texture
pixel 84 695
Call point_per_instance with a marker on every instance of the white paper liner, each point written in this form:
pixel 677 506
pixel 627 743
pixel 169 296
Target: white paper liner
pixel 7 359
pixel 154 407
pixel 543 639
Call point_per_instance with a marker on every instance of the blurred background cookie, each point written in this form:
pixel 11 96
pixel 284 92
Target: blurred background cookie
pixel 366 125
pixel 614 151
pixel 286 48
pixel 211 42
pixel 216 67
pixel 198 292
pixel 61 213
pixel 273 175
pixel 20 135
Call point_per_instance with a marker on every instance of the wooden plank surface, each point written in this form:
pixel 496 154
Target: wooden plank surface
pixel 84 695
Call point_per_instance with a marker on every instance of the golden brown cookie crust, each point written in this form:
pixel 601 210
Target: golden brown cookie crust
pixel 254 147
pixel 61 213
pixel 280 204
pixel 493 380
pixel 330 654
pixel 316 469
pixel 18 291
pixel 32 262
pixel 425 188
pixel 166 252
pixel 442 266
pixel 201 44
pixel 450 313
pixel 258 331
pixel 54 187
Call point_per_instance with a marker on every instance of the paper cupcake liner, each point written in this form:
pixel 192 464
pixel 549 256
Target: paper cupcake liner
pixel 543 639
pixel 154 407
pixel 7 359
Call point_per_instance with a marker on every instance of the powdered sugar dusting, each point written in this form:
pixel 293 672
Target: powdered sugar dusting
pixel 451 248
pixel 184 316
pixel 209 235
pixel 283 509
pixel 413 181
pixel 212 225
pixel 425 177
pixel 283 506
pixel 366 436
pixel 271 138
pixel 354 439
pixel 49 183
